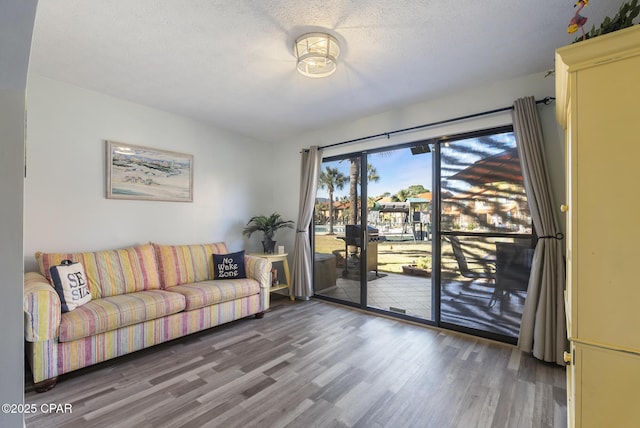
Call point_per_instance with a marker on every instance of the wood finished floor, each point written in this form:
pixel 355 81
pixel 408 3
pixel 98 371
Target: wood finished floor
pixel 312 364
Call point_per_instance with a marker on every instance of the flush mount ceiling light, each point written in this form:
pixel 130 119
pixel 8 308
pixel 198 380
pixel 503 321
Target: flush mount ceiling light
pixel 317 54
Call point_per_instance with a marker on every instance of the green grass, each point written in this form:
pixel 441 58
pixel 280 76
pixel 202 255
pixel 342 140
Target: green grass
pixel 391 255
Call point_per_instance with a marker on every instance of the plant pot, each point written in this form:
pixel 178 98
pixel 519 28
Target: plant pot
pixel 268 245
pixel 415 271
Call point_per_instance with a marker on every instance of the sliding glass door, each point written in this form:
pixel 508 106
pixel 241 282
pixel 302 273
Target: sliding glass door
pixel 399 215
pixel 377 235
pixel 436 231
pixel 485 234
pixel 340 256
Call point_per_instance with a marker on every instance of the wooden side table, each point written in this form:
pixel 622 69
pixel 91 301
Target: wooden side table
pixel 285 264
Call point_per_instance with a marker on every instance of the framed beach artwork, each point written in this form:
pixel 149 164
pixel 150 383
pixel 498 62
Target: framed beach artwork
pixel 144 173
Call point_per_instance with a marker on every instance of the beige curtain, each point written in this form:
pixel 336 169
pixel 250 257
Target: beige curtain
pixel 302 269
pixel 543 328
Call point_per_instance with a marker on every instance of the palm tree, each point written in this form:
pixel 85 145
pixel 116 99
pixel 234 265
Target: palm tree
pixel 331 179
pixel 401 196
pixel 372 174
pixel 354 180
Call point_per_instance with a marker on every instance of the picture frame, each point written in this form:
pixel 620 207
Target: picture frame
pixel 145 173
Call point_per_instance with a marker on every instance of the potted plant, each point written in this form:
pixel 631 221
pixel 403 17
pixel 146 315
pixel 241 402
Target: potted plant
pixel 421 268
pixel 624 18
pixel 268 225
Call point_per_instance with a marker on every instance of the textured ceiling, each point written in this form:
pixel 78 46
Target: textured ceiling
pixel 231 64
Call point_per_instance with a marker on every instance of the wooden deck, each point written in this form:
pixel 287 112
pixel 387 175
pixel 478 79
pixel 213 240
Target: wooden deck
pixel 464 302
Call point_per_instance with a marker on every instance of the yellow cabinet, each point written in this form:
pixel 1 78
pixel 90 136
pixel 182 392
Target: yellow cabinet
pixel 598 93
pixel 608 394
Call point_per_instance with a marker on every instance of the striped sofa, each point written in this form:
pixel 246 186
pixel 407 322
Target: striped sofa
pixel 140 296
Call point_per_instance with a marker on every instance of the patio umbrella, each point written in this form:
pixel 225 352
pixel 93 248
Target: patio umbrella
pixel 502 167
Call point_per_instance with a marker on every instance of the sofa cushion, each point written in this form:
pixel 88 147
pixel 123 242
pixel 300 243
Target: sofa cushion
pixel 185 264
pixel 111 272
pixel 207 293
pixel 113 312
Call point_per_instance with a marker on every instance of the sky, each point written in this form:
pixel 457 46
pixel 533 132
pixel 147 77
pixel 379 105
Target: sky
pixel 398 169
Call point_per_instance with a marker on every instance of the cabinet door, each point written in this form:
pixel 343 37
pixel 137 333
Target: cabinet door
pixel 606 203
pixel 607 386
pixel 571 388
pixel 570 213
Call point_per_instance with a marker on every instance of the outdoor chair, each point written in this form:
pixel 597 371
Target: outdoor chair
pixel 474 268
pixel 513 263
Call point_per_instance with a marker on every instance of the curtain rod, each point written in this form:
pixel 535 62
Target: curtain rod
pixel 545 100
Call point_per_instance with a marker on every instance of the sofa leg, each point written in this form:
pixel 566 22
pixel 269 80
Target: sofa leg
pixel 260 315
pixel 46 384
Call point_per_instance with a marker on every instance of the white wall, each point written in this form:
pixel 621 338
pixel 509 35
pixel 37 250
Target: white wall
pixel 65 204
pixel 485 98
pixel 16 27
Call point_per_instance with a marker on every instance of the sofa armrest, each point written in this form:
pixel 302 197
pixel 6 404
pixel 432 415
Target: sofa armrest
pixel 259 269
pixel 42 309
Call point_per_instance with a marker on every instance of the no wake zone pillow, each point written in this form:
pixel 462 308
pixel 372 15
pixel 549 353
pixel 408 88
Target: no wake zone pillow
pixel 229 266
pixel 70 283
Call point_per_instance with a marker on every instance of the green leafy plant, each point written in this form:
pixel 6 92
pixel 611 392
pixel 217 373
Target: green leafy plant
pixel 268 225
pixel 424 263
pixel 623 19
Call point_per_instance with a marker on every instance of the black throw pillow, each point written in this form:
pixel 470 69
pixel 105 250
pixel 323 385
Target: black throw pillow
pixel 229 266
